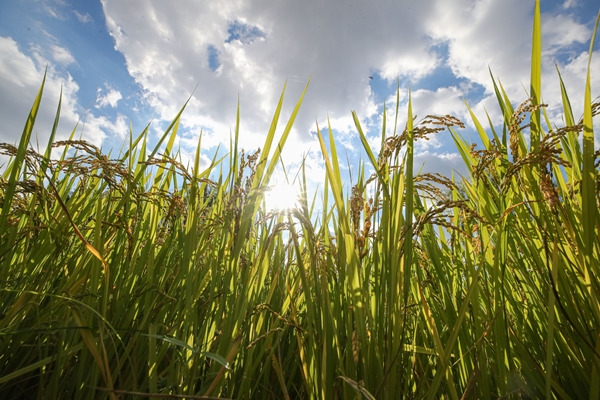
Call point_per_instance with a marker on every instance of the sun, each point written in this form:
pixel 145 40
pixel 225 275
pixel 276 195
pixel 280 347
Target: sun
pixel 281 197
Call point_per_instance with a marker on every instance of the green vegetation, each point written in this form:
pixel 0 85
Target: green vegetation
pixel 121 278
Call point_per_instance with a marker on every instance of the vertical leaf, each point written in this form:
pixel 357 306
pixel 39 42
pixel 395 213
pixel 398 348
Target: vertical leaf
pixel 590 210
pixel 408 202
pixel 283 139
pixel 48 151
pixel 15 167
pixel 536 76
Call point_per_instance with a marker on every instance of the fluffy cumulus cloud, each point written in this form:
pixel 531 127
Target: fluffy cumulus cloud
pixel 20 79
pixel 352 51
pixel 495 36
pixel 248 49
pixel 251 48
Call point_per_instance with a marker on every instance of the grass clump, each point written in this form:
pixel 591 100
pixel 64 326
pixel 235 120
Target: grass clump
pixel 135 276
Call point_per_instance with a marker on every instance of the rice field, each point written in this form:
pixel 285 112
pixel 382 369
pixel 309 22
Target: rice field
pixel 134 276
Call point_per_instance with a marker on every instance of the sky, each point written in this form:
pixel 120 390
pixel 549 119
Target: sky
pixel 130 63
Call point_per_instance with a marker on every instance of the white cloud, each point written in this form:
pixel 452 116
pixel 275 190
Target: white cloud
pixel 20 80
pixel 485 34
pixel 96 129
pixel 62 56
pixel 110 98
pixel 248 49
pixel 439 163
pixel 14 63
pixel 560 31
pixel 54 8
pixel 497 35
pixel 83 18
pixel 338 44
pixel 444 100
pixel 573 74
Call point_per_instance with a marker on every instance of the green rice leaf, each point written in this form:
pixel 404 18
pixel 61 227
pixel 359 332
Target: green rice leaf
pixel 286 131
pixel 590 217
pixel 17 163
pixel 536 77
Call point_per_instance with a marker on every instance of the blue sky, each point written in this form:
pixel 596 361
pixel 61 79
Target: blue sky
pixel 132 62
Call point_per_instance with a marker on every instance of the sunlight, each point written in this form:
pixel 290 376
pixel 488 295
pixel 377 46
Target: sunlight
pixel 281 197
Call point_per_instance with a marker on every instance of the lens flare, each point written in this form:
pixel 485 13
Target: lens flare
pixel 281 197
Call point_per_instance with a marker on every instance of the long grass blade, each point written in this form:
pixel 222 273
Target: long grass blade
pixel 590 217
pixel 536 77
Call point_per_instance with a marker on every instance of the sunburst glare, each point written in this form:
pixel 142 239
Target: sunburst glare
pixel 281 197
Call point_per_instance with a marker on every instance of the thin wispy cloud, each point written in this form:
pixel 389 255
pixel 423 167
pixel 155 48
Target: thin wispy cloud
pixel 62 56
pixel 83 18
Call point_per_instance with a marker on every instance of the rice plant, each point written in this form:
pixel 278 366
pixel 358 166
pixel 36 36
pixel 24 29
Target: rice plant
pixel 139 277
